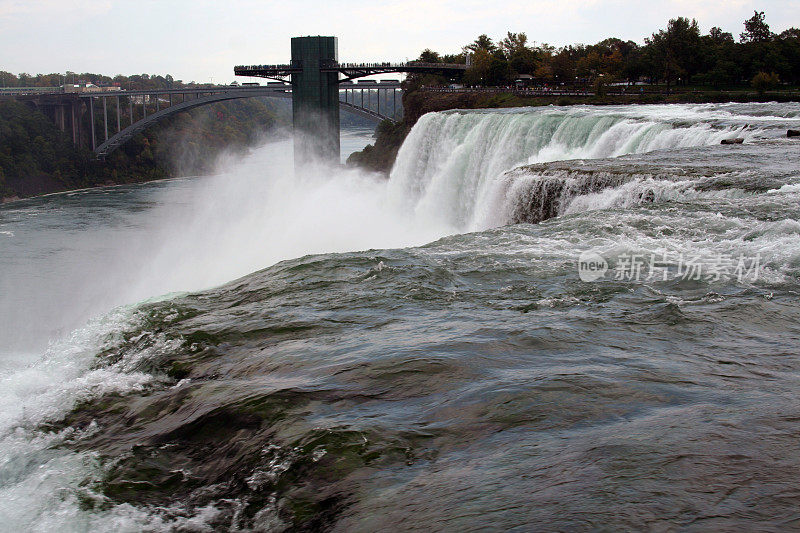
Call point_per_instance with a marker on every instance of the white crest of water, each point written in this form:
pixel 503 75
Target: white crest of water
pixel 450 165
pixel 447 179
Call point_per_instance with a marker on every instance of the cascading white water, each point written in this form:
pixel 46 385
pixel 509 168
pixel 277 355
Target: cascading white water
pixel 196 234
pixel 449 167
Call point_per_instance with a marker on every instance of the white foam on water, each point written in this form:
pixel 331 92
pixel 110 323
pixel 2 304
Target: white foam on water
pixel 648 190
pixel 201 233
pixel 259 211
pixel 789 188
pixel 448 168
pixel 38 480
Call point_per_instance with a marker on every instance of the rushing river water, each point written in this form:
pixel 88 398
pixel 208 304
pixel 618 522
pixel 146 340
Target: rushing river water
pixel 546 319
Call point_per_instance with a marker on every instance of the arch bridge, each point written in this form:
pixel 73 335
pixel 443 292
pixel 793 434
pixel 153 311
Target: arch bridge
pixel 145 108
pixel 318 84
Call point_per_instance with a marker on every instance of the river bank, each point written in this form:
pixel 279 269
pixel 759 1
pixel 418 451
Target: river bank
pixel 380 156
pixel 36 158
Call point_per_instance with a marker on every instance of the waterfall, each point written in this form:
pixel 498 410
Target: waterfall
pixel 453 166
pixel 89 280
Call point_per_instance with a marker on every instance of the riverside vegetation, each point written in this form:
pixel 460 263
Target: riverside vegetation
pixel 674 65
pixel 37 158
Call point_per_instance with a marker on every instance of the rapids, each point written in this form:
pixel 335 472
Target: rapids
pixel 271 349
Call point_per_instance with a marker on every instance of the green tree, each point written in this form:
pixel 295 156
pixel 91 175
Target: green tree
pixel 522 59
pixel 719 37
pixel 718 64
pixel 483 42
pixel 7 79
pixel 675 53
pixel 605 58
pixel 513 42
pixel 478 71
pixel 415 81
pixel 756 30
pixel 788 44
pixel 429 56
pixel 489 66
pixel 564 63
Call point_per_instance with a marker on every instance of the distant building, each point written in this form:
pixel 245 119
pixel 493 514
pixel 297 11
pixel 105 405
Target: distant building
pixel 524 80
pixel 88 88
pixel 142 99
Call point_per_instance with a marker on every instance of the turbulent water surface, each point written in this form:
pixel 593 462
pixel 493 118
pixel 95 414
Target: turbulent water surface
pixel 325 349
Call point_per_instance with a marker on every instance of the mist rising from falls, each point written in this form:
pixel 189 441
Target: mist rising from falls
pixel 449 167
pixel 457 171
pixel 453 174
pixel 72 284
pixel 95 250
pixel 263 210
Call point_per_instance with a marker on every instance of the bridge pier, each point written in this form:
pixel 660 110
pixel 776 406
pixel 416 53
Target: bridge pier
pixel 91 118
pixel 105 118
pixel 315 100
pixel 65 112
pixel 74 114
pixel 60 117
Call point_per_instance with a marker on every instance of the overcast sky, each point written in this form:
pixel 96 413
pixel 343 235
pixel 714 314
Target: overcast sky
pixel 203 39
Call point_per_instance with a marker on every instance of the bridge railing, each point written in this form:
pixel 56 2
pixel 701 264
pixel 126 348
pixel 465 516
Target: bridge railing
pixel 408 64
pixel 266 67
pixel 332 65
pixel 193 91
pixel 25 91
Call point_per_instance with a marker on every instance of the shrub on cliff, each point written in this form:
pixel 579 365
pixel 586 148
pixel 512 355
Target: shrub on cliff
pixel 380 156
pixel 764 82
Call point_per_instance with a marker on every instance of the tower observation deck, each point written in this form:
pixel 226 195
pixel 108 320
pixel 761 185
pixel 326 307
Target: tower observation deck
pixel 315 74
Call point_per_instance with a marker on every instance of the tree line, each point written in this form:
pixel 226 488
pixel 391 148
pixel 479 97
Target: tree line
pixel 676 55
pixel 135 82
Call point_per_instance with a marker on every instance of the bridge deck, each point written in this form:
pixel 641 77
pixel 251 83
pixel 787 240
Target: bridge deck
pixel 350 70
pixel 205 96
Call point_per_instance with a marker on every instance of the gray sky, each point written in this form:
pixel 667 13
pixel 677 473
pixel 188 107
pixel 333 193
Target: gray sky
pixel 201 39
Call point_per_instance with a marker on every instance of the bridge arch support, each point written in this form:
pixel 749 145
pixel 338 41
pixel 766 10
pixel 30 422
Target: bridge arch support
pixel 124 135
